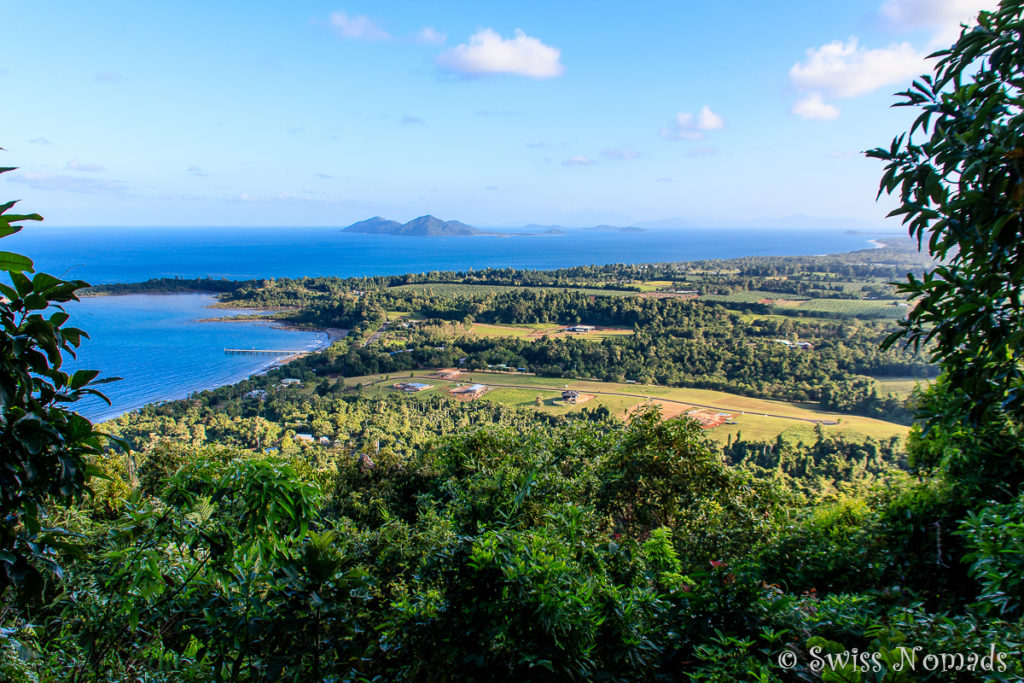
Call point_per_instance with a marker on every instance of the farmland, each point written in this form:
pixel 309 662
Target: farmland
pixel 754 418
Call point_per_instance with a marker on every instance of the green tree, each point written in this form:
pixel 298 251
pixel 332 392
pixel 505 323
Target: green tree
pixel 959 174
pixel 962 192
pixel 44 446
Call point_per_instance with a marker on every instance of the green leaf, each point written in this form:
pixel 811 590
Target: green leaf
pixel 15 262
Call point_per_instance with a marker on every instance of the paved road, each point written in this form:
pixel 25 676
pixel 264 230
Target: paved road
pixel 376 335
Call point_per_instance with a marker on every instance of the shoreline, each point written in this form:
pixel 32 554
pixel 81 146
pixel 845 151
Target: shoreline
pixel 324 339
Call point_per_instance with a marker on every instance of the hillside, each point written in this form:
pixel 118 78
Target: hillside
pixel 424 226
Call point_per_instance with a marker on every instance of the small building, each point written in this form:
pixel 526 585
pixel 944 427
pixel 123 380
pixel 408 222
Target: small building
pixel 570 396
pixel 290 382
pixel 304 437
pixel 580 328
pixel 447 373
pixel 806 346
pixel 256 393
pixel 324 441
pixel 412 387
pixel 471 391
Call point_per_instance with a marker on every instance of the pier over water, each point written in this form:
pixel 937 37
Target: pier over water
pixel 262 352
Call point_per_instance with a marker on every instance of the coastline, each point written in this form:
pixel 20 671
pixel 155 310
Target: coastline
pixel 164 342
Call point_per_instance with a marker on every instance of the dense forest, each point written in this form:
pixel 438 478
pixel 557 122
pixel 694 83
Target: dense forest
pixel 262 532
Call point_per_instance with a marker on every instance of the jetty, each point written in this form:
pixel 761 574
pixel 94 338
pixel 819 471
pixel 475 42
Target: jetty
pixel 263 352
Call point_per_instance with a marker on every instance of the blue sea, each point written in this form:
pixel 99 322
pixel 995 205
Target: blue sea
pixel 106 255
pixel 156 344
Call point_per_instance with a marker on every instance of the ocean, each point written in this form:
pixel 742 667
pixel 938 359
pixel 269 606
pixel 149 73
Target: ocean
pixel 106 255
pixel 156 344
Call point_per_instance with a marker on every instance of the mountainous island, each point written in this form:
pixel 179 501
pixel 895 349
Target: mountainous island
pixel 424 226
pixel 429 226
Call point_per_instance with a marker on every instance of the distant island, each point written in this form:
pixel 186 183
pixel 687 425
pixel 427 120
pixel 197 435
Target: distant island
pixel 424 226
pixel 429 226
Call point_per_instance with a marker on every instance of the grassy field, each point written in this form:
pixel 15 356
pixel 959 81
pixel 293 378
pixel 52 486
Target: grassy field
pixel 754 418
pixel 900 387
pixel 539 331
pixel 454 289
pixel 787 304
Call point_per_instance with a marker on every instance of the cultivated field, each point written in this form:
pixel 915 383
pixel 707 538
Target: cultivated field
pixel 456 289
pixel 539 331
pixel 753 418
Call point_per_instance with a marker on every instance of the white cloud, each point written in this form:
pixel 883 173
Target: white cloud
pixel 814 107
pixel 67 183
pixel 690 127
pixel 489 53
pixel 356 27
pixel 76 165
pixel 579 161
pixel 196 171
pixel 408 120
pixel 39 141
pixel 428 35
pixel 620 153
pixel 847 69
pixel 943 17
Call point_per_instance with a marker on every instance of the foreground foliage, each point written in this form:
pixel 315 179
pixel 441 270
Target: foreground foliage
pixel 484 543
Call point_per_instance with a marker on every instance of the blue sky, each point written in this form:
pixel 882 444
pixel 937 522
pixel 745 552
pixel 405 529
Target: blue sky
pixel 496 114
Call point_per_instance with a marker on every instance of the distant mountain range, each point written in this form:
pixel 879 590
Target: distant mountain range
pixel 424 226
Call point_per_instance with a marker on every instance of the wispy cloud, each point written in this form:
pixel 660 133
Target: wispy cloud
pixel 39 141
pixel 428 35
pixel 76 165
pixel 943 17
pixel 108 76
pixel 487 53
pixel 196 171
pixel 408 120
pixel 68 183
pixel 812 106
pixel 693 127
pixel 702 152
pixel 491 114
pixel 356 27
pixel 579 161
pixel 620 153
pixel 323 176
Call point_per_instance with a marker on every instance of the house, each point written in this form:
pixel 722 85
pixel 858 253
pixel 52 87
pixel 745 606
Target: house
pixel 412 387
pixel 304 437
pixel 447 373
pixel 570 396
pixel 806 346
pixel 471 391
pixel 324 441
pixel 580 328
pixel 256 393
pixel 290 381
